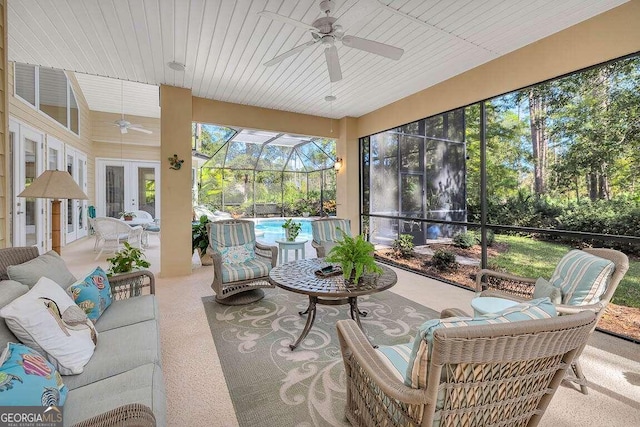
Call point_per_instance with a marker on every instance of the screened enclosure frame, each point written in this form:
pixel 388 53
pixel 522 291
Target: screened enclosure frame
pixel 266 159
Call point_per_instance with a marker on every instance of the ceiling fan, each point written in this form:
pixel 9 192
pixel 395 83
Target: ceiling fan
pixel 125 126
pixel 325 32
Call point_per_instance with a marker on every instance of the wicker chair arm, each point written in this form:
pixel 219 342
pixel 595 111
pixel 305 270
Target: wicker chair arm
pixel 354 343
pixel 130 284
pixel 574 309
pixel 261 250
pixel 492 273
pixel 320 252
pixel 134 414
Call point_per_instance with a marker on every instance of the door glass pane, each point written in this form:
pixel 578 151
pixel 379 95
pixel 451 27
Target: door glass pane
pixel 81 170
pixel 53 159
pixel 147 190
pixel 114 190
pixel 53 94
pixel 70 202
pixel 30 211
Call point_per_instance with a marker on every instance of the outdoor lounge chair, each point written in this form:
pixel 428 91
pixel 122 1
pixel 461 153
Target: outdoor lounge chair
pixel 112 232
pixel 501 374
pixel 241 265
pixel 325 234
pixel 578 291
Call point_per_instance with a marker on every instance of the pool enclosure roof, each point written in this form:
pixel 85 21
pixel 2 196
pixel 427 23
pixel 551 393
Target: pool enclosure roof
pixel 247 149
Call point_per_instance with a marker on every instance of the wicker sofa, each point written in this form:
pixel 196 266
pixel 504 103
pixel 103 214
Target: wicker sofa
pixel 122 384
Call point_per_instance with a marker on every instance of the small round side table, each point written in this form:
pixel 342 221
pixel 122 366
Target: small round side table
pixel 284 246
pixel 487 305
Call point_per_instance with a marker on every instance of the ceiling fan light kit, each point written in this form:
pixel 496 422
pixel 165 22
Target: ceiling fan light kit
pixel 325 32
pixel 176 66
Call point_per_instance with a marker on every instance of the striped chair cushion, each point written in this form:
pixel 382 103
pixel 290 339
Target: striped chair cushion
pixel 396 358
pixel 418 363
pixel 224 235
pixel 251 269
pixel 327 230
pixel 582 277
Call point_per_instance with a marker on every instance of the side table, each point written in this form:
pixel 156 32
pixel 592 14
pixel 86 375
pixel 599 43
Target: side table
pixel 284 246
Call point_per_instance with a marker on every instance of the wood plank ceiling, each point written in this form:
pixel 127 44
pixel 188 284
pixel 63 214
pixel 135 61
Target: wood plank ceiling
pixel 225 43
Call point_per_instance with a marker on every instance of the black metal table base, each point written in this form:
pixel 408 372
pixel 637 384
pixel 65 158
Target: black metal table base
pixel 311 314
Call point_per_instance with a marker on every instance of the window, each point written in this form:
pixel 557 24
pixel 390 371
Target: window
pixel 49 91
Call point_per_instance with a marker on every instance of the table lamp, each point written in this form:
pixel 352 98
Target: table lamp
pixel 56 185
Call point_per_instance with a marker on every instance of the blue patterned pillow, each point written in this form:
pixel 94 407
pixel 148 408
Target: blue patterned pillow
pixel 28 379
pixel 237 254
pixel 418 364
pixel 92 294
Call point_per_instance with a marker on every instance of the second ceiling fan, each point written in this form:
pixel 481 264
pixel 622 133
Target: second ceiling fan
pixel 325 32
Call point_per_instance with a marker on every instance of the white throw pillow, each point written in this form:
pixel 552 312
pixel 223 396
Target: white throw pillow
pixel 47 320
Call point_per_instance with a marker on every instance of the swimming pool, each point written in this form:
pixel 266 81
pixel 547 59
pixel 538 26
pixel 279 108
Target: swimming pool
pixel 272 229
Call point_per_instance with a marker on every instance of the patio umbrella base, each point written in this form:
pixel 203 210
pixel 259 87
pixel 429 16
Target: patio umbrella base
pixel 242 298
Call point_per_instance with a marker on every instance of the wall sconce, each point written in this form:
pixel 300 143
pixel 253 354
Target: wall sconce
pixel 338 164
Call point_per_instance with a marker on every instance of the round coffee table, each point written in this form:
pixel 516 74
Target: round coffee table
pixel 300 277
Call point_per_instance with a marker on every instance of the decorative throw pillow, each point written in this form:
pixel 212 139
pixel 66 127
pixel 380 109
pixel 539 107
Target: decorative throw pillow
pixel 418 364
pixel 27 379
pixel 92 294
pixel 49 265
pixel 545 289
pixel 47 320
pixel 582 277
pixel 237 254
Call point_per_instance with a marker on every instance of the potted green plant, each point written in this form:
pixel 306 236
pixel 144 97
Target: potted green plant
pixel 355 256
pixel 126 260
pixel 200 239
pixel 292 229
pixel 127 216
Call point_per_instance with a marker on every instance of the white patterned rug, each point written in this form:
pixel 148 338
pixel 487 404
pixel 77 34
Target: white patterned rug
pixel 270 385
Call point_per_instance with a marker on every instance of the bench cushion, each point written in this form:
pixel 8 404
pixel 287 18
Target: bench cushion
pixel 128 312
pixel 120 350
pixel 582 277
pixel 143 384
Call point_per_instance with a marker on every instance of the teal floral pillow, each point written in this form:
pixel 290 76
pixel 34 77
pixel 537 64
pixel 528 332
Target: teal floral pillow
pixel 92 294
pixel 237 254
pixel 28 379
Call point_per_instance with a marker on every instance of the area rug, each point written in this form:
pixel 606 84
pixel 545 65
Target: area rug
pixel 270 385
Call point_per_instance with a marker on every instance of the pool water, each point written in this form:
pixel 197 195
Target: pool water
pixel 272 229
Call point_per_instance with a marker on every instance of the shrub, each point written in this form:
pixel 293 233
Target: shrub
pixel 403 246
pixel 444 260
pixel 464 240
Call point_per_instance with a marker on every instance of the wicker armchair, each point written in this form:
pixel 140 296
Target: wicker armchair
pixel 325 234
pixel 502 374
pixel 113 232
pixel 503 285
pixel 238 281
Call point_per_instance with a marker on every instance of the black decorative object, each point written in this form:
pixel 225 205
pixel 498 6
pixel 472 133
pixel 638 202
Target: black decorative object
pixel 175 163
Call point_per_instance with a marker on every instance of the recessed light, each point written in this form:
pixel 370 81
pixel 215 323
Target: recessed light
pixel 330 98
pixel 176 66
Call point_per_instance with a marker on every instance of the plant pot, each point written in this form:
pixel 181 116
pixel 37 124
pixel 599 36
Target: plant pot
pixel 305 214
pixel 289 236
pixel 205 258
pixel 128 218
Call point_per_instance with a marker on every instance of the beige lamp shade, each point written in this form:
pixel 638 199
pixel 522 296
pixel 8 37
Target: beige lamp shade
pixel 54 185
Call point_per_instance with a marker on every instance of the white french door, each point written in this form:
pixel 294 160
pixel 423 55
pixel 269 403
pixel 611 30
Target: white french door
pixel 27 215
pixel 123 185
pixel 75 211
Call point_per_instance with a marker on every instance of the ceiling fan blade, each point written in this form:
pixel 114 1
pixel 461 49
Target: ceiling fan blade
pixel 333 63
pixel 370 46
pixel 140 129
pixel 289 53
pixel 286 20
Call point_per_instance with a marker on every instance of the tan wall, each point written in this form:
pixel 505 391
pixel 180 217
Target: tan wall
pixel 347 194
pixel 104 130
pixel 125 151
pixel 607 36
pixel 4 128
pixel 245 116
